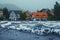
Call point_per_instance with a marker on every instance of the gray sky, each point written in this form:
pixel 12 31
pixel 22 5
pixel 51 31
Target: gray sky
pixel 31 5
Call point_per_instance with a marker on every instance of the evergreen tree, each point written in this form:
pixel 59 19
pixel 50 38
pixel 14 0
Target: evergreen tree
pixel 57 11
pixel 22 15
pixel 5 13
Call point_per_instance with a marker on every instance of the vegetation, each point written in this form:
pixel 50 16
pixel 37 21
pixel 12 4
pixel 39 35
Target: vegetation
pixel 22 15
pixel 57 11
pixel 5 13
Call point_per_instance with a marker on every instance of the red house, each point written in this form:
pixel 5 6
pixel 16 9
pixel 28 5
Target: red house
pixel 39 15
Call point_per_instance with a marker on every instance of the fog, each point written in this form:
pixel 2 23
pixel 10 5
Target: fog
pixel 31 5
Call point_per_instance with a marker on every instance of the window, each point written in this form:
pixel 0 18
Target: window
pixel 43 15
pixel 37 15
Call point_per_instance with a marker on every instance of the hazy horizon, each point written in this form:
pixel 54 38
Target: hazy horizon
pixel 31 5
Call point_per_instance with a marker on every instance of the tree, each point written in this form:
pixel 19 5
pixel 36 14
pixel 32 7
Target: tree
pixel 22 15
pixel 57 11
pixel 5 13
pixel 51 15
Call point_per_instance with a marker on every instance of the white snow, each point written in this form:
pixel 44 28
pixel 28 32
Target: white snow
pixel 4 25
pixel 28 25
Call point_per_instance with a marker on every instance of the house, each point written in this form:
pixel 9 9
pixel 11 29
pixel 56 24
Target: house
pixel 1 12
pixel 52 12
pixel 28 15
pixel 39 16
pixel 14 15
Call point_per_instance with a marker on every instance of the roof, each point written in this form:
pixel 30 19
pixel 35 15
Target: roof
pixel 16 11
pixel 45 10
pixel 40 14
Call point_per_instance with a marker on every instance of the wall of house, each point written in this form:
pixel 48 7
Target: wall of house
pixel 39 19
pixel 12 16
pixel 1 13
pixel 28 16
pixel 39 16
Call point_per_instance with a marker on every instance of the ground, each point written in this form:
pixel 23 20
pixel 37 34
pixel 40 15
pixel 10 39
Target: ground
pixel 11 34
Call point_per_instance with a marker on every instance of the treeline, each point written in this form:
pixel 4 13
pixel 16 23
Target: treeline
pixel 57 11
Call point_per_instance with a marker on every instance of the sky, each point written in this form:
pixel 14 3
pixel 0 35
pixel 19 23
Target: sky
pixel 31 5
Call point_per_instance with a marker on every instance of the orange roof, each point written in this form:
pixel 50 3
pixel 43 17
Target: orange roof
pixel 40 15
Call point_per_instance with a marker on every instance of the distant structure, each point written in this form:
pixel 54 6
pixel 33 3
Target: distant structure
pixel 1 12
pixel 39 16
pixel 28 15
pixel 14 15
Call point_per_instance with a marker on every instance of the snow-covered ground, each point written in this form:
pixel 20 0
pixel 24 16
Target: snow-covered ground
pixel 27 30
pixel 32 26
pixel 46 23
pixel 16 35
